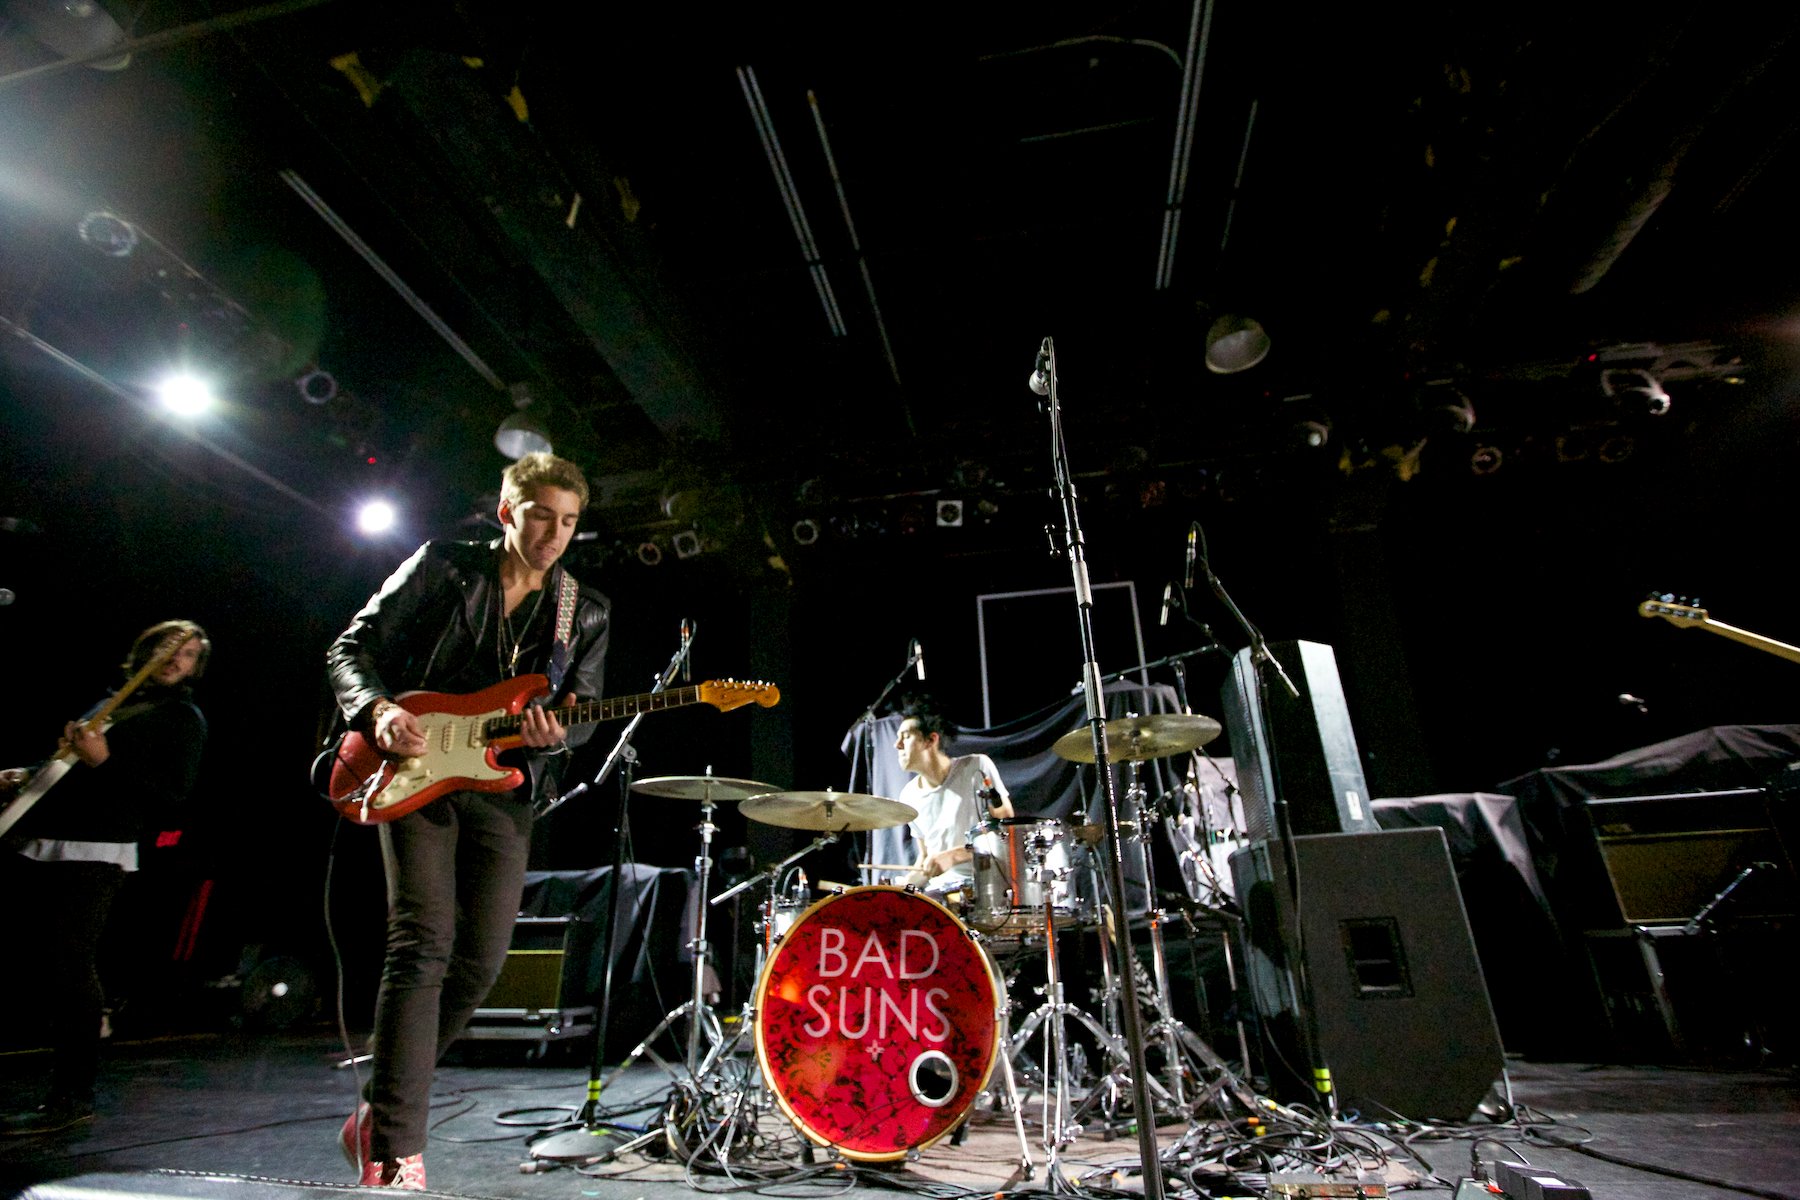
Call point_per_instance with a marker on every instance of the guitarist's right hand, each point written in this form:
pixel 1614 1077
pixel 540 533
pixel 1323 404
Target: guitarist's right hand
pixel 397 733
pixel 12 779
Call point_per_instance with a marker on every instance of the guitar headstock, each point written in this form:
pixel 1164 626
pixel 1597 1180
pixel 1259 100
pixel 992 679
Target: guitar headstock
pixel 1677 610
pixel 727 694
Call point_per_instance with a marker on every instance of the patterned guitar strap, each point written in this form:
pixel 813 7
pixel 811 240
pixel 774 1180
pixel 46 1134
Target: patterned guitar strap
pixel 560 648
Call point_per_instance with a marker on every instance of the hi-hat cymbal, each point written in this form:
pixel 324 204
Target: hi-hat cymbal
pixel 702 787
pixel 833 811
pixel 1135 739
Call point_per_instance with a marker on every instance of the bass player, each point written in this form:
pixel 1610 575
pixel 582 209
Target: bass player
pixel 460 617
pixel 128 761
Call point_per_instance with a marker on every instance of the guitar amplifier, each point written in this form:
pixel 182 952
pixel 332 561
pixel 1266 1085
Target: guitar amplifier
pixel 1667 857
pixel 545 990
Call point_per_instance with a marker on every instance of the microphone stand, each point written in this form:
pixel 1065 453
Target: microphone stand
pixel 1094 691
pixel 867 721
pixel 587 1138
pixel 1308 1024
pixel 1174 659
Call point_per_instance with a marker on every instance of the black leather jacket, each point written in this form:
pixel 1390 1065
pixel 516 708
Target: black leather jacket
pixel 422 629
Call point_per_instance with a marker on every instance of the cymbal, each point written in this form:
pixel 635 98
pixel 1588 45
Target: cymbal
pixel 1135 739
pixel 834 811
pixel 702 787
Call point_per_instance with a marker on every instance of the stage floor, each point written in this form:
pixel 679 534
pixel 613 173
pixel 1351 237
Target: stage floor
pixel 240 1116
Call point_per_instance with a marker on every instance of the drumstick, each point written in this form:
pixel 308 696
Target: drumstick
pixel 888 867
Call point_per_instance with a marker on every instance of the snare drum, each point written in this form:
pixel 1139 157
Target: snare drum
pixel 1028 870
pixel 877 1022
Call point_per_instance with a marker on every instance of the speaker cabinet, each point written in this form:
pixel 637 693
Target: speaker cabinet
pixel 1667 857
pixel 1398 999
pixel 1302 749
pixel 546 969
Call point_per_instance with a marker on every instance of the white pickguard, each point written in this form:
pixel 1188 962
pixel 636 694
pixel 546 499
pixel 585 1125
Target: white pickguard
pixel 455 749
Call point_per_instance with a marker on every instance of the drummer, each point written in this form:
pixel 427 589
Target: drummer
pixel 951 795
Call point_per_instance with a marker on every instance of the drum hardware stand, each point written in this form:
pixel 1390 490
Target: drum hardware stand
pixel 747 1019
pixel 588 1136
pixel 702 1021
pixel 1217 908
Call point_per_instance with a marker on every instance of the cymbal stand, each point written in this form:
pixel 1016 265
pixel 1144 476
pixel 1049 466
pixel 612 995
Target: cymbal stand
pixel 1174 1036
pixel 703 1023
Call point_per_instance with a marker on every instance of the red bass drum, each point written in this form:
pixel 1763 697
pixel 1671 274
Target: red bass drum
pixel 877 1022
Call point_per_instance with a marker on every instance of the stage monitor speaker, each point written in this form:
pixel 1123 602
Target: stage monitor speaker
pixel 1304 746
pixel 1402 1011
pixel 547 969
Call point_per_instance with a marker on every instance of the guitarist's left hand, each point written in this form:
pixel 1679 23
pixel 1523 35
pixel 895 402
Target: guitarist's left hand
pixel 539 727
pixel 89 745
pixel 12 779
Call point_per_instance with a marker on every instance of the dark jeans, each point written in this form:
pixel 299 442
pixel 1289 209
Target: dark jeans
pixel 455 872
pixel 59 911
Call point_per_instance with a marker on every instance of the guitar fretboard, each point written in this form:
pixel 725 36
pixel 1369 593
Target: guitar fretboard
pixel 602 710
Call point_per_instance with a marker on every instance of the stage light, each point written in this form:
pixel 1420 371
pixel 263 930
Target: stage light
pixel 376 517
pixel 949 513
pixel 1486 460
pixel 109 233
pixel 806 531
pixel 1235 343
pixel 317 387
pixel 649 553
pixel 687 543
pixel 522 434
pixel 185 395
pixel 1623 383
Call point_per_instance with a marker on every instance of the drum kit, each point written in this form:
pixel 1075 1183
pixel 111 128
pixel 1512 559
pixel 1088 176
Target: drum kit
pixel 881 1015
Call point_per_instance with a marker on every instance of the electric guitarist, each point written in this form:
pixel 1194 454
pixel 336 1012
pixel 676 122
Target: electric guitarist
pixel 67 856
pixel 460 617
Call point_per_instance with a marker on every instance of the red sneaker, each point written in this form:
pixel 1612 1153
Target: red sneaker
pixel 407 1174
pixel 353 1138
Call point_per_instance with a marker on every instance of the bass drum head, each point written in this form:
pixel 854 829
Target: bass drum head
pixel 877 1022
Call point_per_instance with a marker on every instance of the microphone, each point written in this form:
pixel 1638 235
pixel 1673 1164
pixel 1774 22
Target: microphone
pixel 1040 374
pixel 987 793
pixel 1187 579
pixel 1168 589
pixel 918 654
pixel 687 644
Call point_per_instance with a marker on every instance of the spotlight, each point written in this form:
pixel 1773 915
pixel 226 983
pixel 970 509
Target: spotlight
pixel 687 543
pixel 949 513
pixel 109 233
pixel 1486 460
pixel 521 434
pixel 1445 407
pixel 1235 343
pixel 1619 383
pixel 376 517
pixel 649 553
pixel 185 395
pixel 806 531
pixel 317 387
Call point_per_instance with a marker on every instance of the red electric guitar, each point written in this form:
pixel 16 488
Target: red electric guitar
pixel 464 734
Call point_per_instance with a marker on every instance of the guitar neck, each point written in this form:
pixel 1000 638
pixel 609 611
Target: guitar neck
pixel 1782 649
pixel 592 711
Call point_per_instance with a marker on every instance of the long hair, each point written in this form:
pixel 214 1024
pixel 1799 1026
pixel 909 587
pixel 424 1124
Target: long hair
pixel 148 641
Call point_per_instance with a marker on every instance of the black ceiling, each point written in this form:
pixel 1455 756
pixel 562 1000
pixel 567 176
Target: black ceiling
pixel 1428 210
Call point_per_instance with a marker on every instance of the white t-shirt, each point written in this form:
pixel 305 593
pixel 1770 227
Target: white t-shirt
pixel 949 811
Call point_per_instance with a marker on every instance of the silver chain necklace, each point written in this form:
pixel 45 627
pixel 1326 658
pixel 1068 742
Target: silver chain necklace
pixel 509 665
